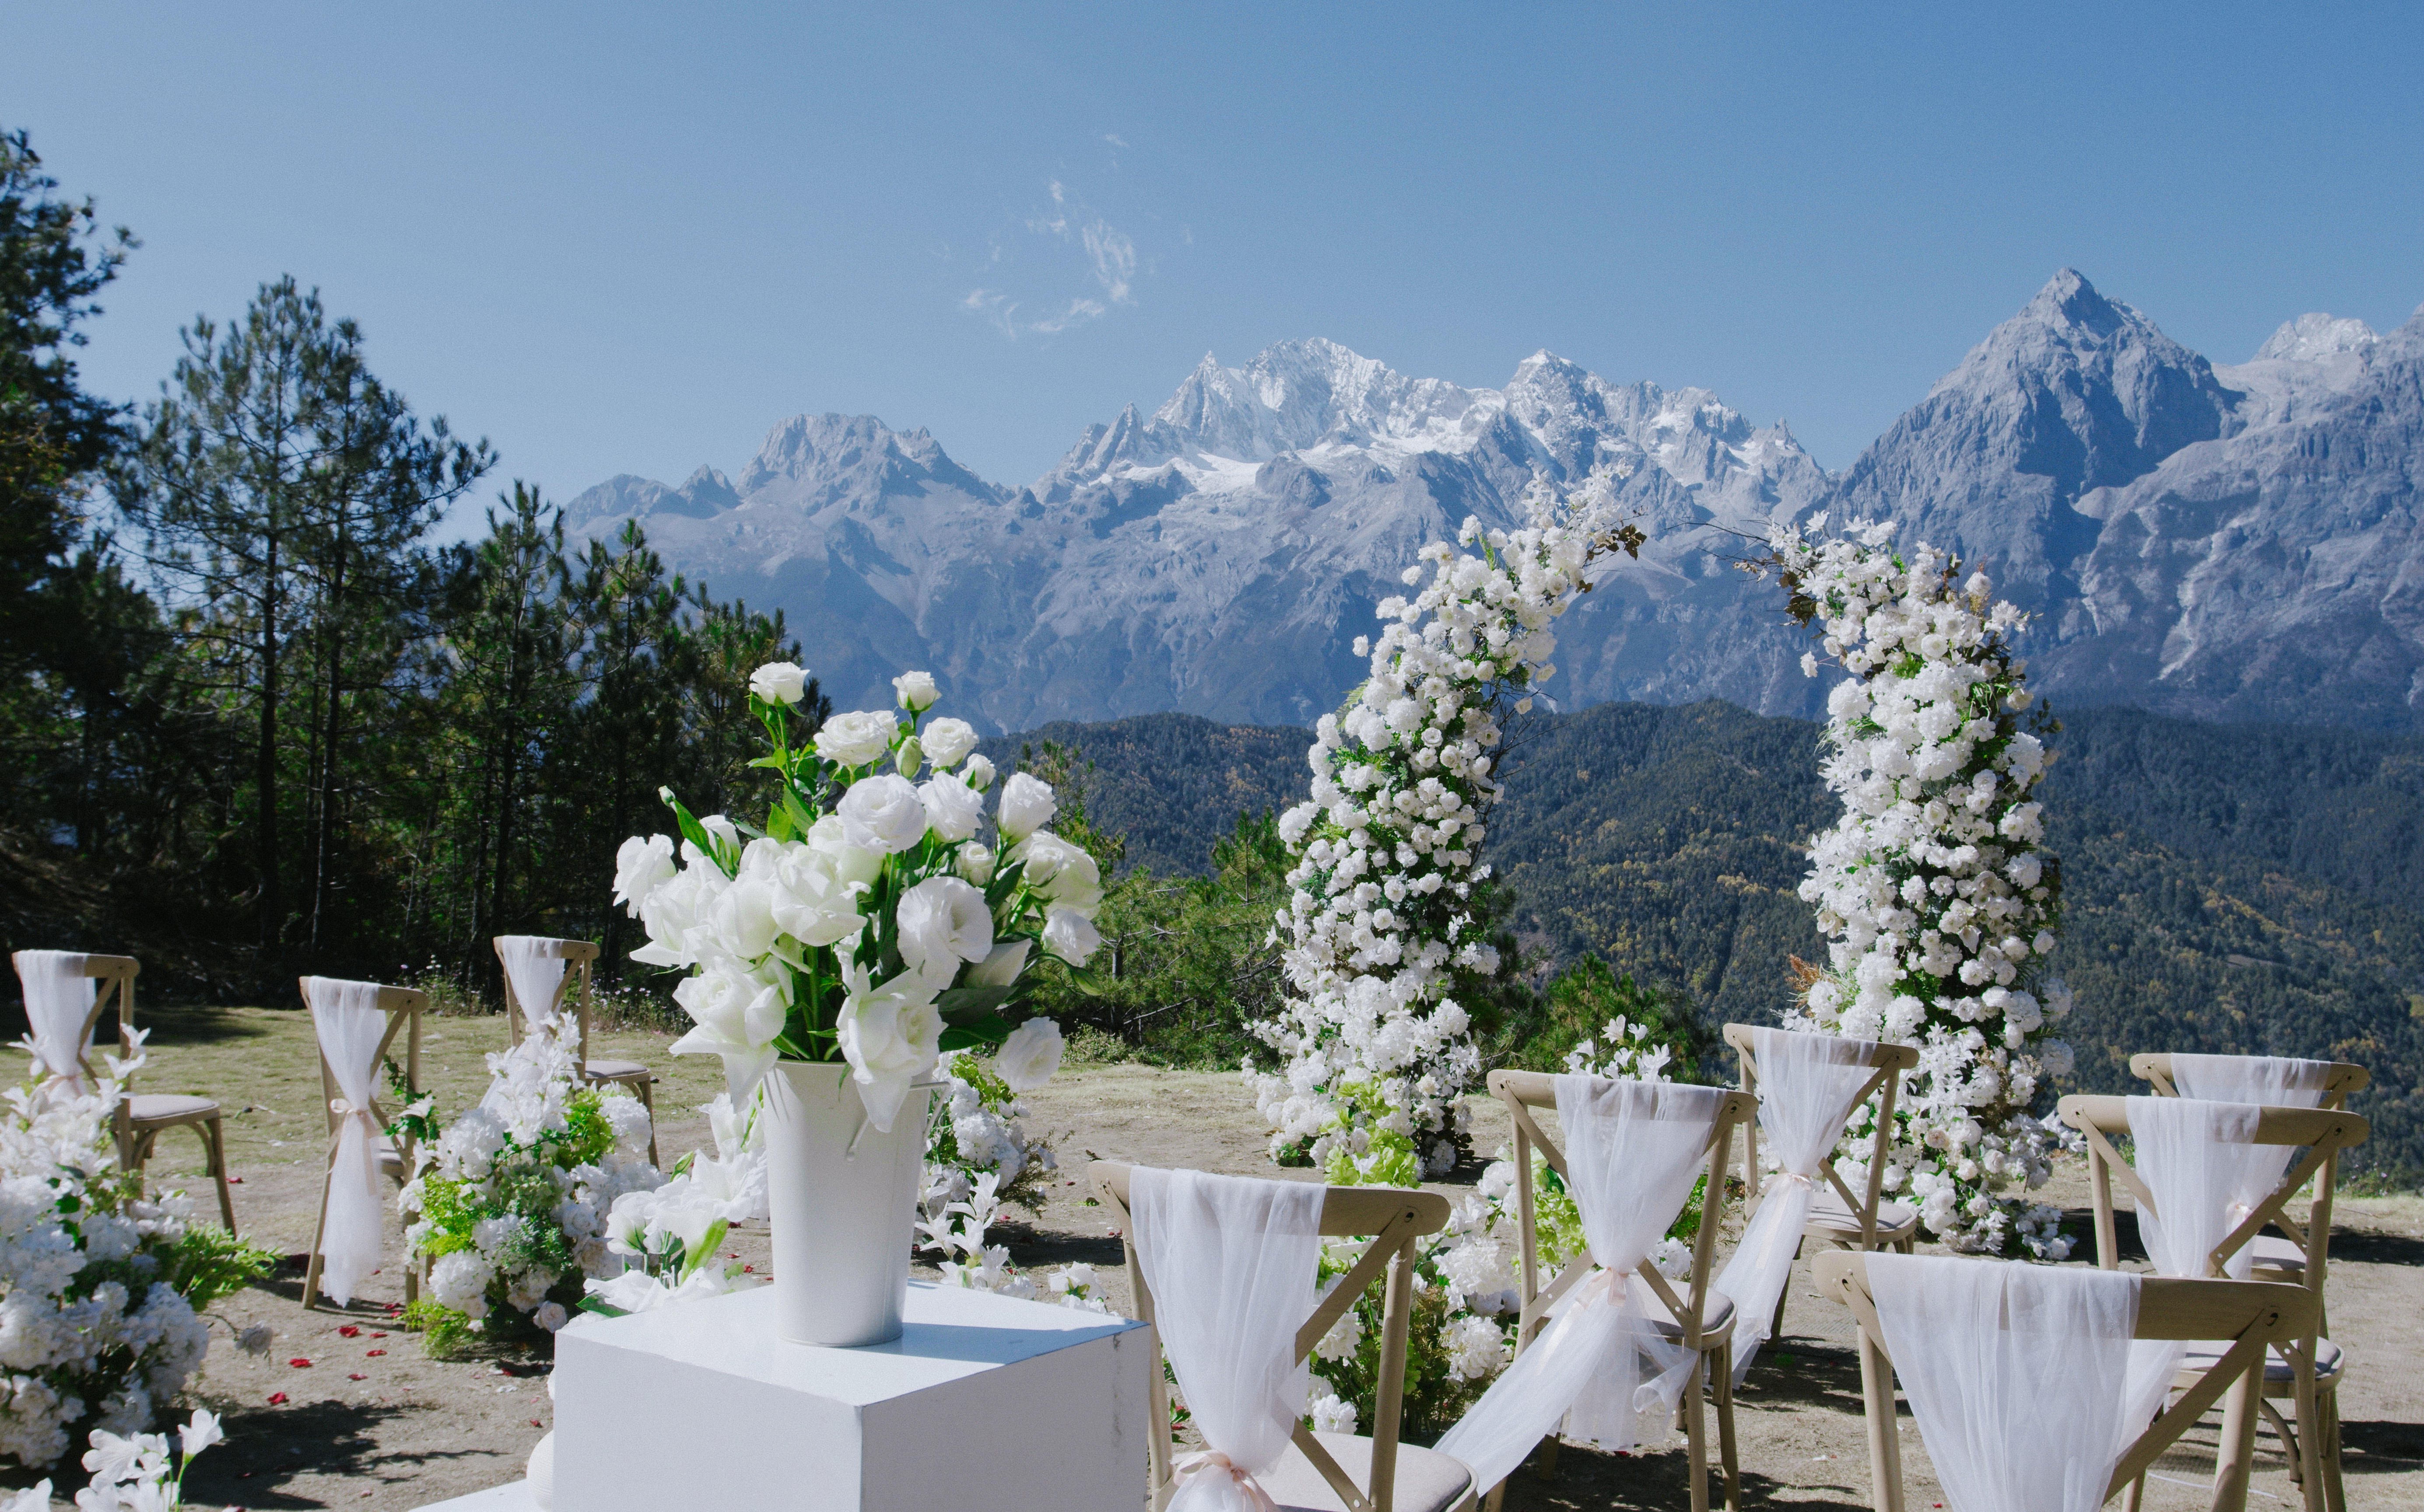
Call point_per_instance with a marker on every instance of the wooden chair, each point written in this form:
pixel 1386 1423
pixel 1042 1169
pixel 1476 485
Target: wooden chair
pixel 1701 1320
pixel 403 1007
pixel 2278 1257
pixel 578 957
pixel 1320 1469
pixel 141 1117
pixel 1840 1218
pixel 2253 1317
pixel 2307 1371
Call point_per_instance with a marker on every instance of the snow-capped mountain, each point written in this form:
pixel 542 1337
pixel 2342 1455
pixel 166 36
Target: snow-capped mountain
pixel 1221 555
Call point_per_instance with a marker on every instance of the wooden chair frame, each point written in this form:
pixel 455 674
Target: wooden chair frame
pixel 404 1007
pixel 1890 1062
pixel 2254 1315
pixel 2322 1133
pixel 1396 1217
pixel 136 1137
pixel 578 956
pixel 1523 1091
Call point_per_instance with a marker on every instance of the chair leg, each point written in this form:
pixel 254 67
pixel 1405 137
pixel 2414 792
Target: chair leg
pixel 1726 1454
pixel 1776 1324
pixel 649 1103
pixel 2327 1414
pixel 214 1163
pixel 1884 1442
pixel 312 1265
pixel 1696 1434
pixel 2234 1459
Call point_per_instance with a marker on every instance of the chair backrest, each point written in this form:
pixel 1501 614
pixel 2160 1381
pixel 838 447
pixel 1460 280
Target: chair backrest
pixel 2255 1316
pixel 2154 1069
pixel 2322 1133
pixel 1523 1091
pixel 1890 1061
pixel 114 985
pixel 577 956
pixel 404 1007
pixel 1396 1217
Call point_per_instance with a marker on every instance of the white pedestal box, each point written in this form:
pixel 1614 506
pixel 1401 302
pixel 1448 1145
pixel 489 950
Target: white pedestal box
pixel 983 1401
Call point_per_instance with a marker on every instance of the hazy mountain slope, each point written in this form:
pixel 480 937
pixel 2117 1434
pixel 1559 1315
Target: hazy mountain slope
pixel 2236 888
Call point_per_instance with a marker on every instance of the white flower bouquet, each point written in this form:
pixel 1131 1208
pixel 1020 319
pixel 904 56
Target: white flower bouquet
pixel 866 922
pixel 513 1196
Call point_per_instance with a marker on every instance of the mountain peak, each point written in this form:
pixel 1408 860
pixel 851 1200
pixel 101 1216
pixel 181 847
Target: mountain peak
pixel 2312 337
pixel 2070 300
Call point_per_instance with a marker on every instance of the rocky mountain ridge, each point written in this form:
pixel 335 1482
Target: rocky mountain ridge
pixel 2212 541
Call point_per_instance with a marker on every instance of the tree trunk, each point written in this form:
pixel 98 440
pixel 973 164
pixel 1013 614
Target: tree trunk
pixel 273 902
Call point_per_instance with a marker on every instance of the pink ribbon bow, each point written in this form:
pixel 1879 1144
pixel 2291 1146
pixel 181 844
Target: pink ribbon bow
pixel 1213 1462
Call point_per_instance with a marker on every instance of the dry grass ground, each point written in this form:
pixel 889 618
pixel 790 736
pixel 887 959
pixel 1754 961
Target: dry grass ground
pixel 370 1422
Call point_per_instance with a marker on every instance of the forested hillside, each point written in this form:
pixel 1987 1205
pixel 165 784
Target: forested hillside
pixel 2230 887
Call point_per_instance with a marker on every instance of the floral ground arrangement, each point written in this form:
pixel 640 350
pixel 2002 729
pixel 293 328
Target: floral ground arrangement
pixel 415 1429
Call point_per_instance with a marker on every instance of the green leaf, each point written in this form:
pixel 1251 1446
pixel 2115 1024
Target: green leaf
pixel 602 1308
pixel 696 833
pixel 706 1244
pixel 965 1005
pixel 1093 984
pixel 981 1035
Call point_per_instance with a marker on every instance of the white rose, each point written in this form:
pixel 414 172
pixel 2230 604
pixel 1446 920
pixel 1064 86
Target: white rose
pixel 891 1035
pixel 953 809
pixel 1071 936
pixel 737 1017
pixel 883 814
pixel 640 867
pixel 743 918
pixel 858 739
pixel 779 682
pixel 1064 873
pixel 976 862
pixel 1027 805
pixel 1002 966
pixel 916 691
pixel 853 864
pixel 943 922
pixel 676 909
pixel 815 891
pixel 948 740
pixel 979 774
pixel 1029 1057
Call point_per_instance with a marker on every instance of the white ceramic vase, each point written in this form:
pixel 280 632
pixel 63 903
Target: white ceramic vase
pixel 842 1197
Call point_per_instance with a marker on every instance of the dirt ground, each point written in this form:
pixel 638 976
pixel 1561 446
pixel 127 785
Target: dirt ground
pixel 367 1421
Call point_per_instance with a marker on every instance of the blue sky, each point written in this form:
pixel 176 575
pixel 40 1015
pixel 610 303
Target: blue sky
pixel 631 240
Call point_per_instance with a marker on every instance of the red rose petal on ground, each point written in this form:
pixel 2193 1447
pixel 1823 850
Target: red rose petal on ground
pixel 533 1423
pixel 299 1362
pixel 378 1333
pixel 376 1353
pixel 747 1269
pixel 349 1331
pixel 278 1398
pixel 358 1376
pixel 235 1181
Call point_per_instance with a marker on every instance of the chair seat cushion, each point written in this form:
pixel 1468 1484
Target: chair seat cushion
pixel 168 1107
pixel 1716 1314
pixel 1831 1218
pixel 613 1069
pixel 1427 1481
pixel 2273 1252
pixel 2202 1356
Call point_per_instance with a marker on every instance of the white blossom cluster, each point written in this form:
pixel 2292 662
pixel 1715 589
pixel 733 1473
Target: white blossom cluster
pixel 954 1228
pixel 979 1126
pixel 849 935
pixel 1381 930
pixel 1938 900
pixel 132 1473
pixel 513 1200
pixel 87 1325
pixel 666 1237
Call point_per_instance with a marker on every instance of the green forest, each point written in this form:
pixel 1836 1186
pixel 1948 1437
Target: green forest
pixel 259 720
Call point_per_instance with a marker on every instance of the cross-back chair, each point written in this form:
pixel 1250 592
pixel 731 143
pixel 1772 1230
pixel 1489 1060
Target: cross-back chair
pixel 577 956
pixel 2307 1370
pixel 2279 1258
pixel 1321 1469
pixel 1840 1218
pixel 142 1117
pixel 1701 1319
pixel 2252 1317
pixel 404 1007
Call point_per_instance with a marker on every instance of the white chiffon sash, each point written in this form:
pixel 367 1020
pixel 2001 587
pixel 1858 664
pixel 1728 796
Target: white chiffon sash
pixel 536 973
pixel 2267 1081
pixel 1231 1263
pixel 1631 1150
pixel 58 1007
pixel 1807 1084
pixel 2206 1173
pixel 2023 1379
pixel 351 1027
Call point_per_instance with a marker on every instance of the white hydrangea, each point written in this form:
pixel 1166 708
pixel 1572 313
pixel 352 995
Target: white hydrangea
pixel 1379 927
pixel 1937 901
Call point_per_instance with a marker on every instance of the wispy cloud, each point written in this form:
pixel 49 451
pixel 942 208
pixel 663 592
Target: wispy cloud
pixel 1108 261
